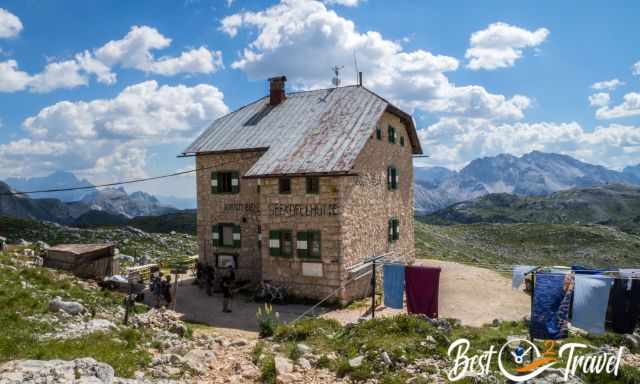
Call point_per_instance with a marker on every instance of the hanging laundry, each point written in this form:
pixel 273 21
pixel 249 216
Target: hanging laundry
pixel 519 272
pixel 625 305
pixel 551 303
pixel 422 284
pixel 578 269
pixel 627 274
pixel 393 285
pixel 590 300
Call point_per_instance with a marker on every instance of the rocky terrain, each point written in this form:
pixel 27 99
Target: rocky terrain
pixel 614 205
pixel 486 244
pixel 533 174
pixel 142 246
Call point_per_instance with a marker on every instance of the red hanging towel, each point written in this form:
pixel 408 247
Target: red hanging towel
pixel 422 290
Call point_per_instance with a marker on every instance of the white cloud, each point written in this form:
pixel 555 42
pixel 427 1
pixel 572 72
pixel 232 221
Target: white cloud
pixel 500 45
pixel 636 69
pixel 629 107
pixel 10 24
pixel 600 99
pixel 11 78
pixel 57 75
pixel 133 51
pixel 608 85
pixel 109 138
pixel 304 40
pixel 454 142
pixel 346 3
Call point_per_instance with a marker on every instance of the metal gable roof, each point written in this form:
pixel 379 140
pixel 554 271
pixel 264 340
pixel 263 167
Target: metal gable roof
pixel 320 131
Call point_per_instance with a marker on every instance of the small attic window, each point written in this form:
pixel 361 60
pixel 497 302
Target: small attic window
pixel 261 114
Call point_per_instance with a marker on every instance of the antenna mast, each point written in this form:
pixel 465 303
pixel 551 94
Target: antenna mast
pixel 355 65
pixel 336 71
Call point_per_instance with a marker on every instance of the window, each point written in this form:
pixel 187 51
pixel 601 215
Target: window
pixel 226 235
pixel 394 230
pixel 281 243
pixel 378 133
pixel 313 185
pixel 225 182
pixel 285 185
pixel 393 178
pixel 308 244
pixel 392 135
pixel 402 141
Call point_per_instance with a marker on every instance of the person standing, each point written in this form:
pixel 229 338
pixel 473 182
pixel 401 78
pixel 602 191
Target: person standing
pixel 227 285
pixel 166 291
pixel 156 289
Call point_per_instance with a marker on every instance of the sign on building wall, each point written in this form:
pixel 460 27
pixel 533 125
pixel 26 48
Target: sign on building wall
pixel 303 210
pixel 312 269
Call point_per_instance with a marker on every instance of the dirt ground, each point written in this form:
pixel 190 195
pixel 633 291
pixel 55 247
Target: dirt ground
pixel 475 296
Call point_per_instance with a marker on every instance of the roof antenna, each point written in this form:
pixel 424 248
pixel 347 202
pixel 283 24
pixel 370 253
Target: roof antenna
pixel 336 80
pixel 355 65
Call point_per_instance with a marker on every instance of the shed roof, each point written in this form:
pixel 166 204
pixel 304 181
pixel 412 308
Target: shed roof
pixel 79 249
pixel 319 131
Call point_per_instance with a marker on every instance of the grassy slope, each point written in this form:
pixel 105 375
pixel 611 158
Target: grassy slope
pixel 614 205
pixel 536 244
pixel 26 292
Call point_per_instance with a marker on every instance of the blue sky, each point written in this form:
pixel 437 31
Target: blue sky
pixel 113 89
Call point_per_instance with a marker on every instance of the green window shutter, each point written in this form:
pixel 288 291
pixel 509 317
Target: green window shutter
pixel 389 178
pixel 235 182
pixel 236 236
pixel 402 141
pixel 378 133
pixel 392 135
pixel 396 178
pixel 396 229
pixel 316 239
pixel 274 243
pixel 302 244
pixel 390 230
pixel 215 182
pixel 215 235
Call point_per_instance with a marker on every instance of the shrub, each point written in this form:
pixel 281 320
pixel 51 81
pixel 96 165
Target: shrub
pixel 268 370
pixel 267 320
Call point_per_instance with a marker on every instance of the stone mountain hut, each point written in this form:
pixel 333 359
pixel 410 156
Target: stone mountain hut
pixel 299 188
pixel 92 261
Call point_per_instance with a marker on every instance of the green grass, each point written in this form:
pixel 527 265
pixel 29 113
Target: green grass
pixel 404 338
pixel 20 338
pixel 535 244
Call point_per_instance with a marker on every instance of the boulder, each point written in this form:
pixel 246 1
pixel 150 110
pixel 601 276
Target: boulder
pixel 283 366
pixel 70 307
pixel 199 359
pixel 356 361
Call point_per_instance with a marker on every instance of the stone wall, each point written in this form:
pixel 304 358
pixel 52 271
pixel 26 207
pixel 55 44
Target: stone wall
pixel 300 211
pixel 369 204
pixel 351 212
pixel 240 208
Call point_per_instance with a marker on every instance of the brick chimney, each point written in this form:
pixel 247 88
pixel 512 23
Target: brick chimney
pixel 276 90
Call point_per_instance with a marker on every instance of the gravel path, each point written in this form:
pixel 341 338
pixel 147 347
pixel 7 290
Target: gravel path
pixel 475 296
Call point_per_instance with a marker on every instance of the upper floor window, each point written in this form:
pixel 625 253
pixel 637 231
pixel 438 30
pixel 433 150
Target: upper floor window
pixel 402 141
pixel 394 230
pixel 226 235
pixel 378 133
pixel 313 185
pixel 308 244
pixel 392 135
pixel 281 243
pixel 225 182
pixel 284 185
pixel 393 178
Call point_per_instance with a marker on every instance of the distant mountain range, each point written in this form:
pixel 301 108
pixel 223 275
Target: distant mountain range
pixel 533 174
pixel 56 180
pixel 614 205
pixel 108 206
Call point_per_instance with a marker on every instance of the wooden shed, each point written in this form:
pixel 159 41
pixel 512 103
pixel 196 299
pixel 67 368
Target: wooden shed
pixel 94 261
